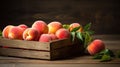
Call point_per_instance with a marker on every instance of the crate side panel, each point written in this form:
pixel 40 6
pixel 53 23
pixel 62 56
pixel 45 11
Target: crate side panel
pixel 60 43
pixel 68 51
pixel 25 53
pixel 24 44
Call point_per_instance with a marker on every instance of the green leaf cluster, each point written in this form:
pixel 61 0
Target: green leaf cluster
pixel 84 36
pixel 66 26
pixel 118 54
pixel 104 55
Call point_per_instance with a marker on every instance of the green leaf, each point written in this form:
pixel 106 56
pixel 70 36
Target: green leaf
pixel 75 29
pixel 87 27
pixel 79 36
pixel 97 56
pixel 105 58
pixel 73 36
pixel 0 33
pixel 107 52
pixel 90 32
pixel 87 39
pixel 104 55
pixel 118 54
pixel 66 26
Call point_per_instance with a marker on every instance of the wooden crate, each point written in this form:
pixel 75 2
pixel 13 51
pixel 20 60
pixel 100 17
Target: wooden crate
pixel 40 50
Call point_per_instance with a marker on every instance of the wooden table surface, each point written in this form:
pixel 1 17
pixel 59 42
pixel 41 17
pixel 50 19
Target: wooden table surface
pixel 111 41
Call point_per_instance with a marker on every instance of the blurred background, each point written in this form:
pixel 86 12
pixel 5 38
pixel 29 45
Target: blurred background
pixel 103 14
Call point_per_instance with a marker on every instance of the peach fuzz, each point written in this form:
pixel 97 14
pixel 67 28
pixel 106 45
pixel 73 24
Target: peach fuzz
pixel 6 30
pixel 53 36
pixel 53 27
pixel 23 26
pixel 15 33
pixel 95 46
pixel 41 26
pixel 73 25
pixel 45 38
pixel 62 33
pixel 30 34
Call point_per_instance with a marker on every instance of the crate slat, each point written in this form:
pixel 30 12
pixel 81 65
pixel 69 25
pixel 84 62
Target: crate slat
pixel 25 53
pixel 24 44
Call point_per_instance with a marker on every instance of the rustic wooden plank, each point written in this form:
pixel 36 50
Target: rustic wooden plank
pixel 60 43
pixel 24 44
pixel 64 52
pixel 35 44
pixel 67 52
pixel 25 53
pixel 56 48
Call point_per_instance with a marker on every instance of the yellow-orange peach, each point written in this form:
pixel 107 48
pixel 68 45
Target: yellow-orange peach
pixel 53 27
pixel 5 31
pixel 45 38
pixel 73 25
pixel 41 26
pixel 30 34
pixel 15 33
pixel 95 46
pixel 62 33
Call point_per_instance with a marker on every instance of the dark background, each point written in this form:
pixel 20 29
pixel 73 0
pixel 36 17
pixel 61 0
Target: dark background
pixel 103 14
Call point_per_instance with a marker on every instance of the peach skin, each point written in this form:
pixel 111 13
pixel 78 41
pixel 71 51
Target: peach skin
pixel 6 30
pixel 53 27
pixel 45 38
pixel 62 33
pixel 95 46
pixel 23 26
pixel 41 26
pixel 30 34
pixel 15 33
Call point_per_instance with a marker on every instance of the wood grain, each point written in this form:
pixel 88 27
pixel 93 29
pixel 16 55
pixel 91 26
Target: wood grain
pixel 24 44
pixel 40 50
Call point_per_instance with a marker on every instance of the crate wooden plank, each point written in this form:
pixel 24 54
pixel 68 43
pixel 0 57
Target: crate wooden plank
pixel 68 51
pixel 24 53
pixel 24 44
pixel 64 52
pixel 60 43
pixel 35 44
pixel 32 49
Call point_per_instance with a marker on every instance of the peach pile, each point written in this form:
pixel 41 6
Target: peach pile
pixel 39 31
pixel 43 32
pixel 96 46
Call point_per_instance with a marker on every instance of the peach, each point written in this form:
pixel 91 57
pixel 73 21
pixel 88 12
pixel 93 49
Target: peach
pixel 41 26
pixel 15 33
pixel 62 33
pixel 23 26
pixel 30 34
pixel 53 27
pixel 45 38
pixel 53 36
pixel 73 25
pixel 95 46
pixel 5 31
